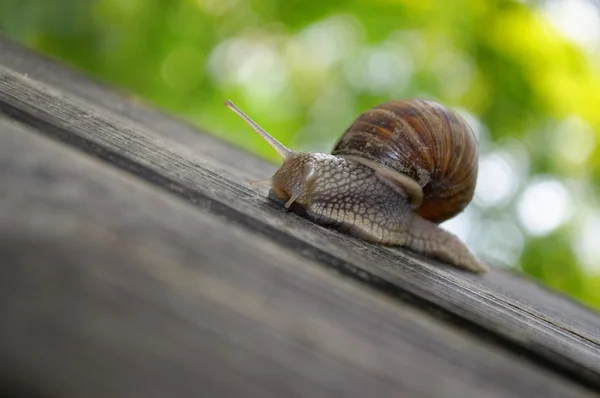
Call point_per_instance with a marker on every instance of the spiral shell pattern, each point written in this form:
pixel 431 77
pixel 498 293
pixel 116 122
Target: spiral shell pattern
pixel 425 141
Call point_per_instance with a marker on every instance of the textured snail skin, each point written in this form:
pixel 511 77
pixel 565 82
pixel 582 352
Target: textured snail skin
pixel 345 194
pixel 400 169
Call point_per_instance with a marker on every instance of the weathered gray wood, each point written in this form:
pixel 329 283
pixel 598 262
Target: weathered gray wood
pixel 508 309
pixel 132 109
pixel 515 289
pixel 113 288
pixel 533 321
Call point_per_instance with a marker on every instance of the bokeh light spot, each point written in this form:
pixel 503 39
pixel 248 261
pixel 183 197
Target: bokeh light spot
pixel 574 140
pixel 544 206
pixel 380 70
pixel 587 244
pixel 577 19
pixel 253 64
pixel 497 181
pixel 323 43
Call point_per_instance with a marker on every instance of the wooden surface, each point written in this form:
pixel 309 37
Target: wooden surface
pixel 138 262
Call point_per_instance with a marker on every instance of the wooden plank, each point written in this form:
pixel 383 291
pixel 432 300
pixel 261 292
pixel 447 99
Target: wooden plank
pixel 514 288
pixel 112 288
pixel 133 109
pixel 513 311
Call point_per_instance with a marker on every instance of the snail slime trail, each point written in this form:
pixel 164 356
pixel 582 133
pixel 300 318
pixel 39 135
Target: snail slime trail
pixel 398 171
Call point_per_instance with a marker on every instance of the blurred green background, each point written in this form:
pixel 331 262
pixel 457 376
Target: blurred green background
pixel 525 74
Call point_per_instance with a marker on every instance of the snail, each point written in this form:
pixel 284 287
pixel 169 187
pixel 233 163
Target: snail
pixel 396 173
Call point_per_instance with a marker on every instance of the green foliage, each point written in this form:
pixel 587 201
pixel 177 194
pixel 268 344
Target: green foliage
pixel 304 71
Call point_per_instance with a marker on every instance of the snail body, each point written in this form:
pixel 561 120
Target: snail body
pixel 398 171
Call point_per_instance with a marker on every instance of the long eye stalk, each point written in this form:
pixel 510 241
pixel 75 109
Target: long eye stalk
pixel 278 146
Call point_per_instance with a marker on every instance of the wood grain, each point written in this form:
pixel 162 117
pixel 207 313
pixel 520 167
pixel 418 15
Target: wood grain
pixel 515 289
pixel 110 287
pixel 500 309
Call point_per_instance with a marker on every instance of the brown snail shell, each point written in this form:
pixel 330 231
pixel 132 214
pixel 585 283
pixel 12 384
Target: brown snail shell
pixel 431 145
